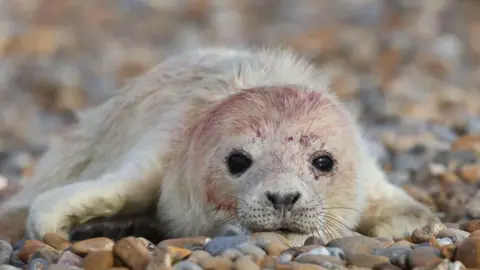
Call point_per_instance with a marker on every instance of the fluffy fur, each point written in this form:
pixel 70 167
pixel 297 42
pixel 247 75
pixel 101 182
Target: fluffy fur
pixel 164 138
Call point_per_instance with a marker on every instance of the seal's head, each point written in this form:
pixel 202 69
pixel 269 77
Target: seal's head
pixel 277 159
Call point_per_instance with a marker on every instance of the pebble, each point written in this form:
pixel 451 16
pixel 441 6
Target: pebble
pixel 98 260
pixel 319 259
pixel 187 242
pixel 337 253
pixel 47 253
pixel 356 244
pixel 6 252
pixel 219 263
pixel 385 266
pixel 197 255
pixel 252 250
pixel 245 263
pixel 232 254
pixel 366 260
pixel 424 257
pixel 315 251
pixel 454 234
pixel 68 258
pixel 423 234
pixel 38 264
pixel 217 245
pixel 56 241
pixel 161 259
pixel 313 240
pixel 393 251
pixel 134 254
pixel 472 225
pixel 91 245
pixel 184 265
pixel 29 247
pixel 468 252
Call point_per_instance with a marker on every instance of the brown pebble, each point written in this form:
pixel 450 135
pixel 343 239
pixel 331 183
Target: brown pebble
pixel 132 253
pixel 146 243
pixel 56 241
pixel 468 252
pixel 99 260
pixel 357 244
pixel 365 260
pixel 423 234
pixel 28 248
pixel 268 262
pixel 470 173
pixel 185 242
pixel 466 143
pixel 161 259
pixel 245 263
pixel 475 234
pixel 472 225
pixel 448 251
pixel 424 257
pixel 313 240
pixel 92 245
pixel 216 263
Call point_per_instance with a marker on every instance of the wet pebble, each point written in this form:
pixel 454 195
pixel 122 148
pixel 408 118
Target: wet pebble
pixel 98 260
pixel 468 252
pixel 91 245
pixel 424 257
pixel 133 253
pixel 217 245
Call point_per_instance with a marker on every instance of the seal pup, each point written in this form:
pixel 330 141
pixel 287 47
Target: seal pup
pixel 218 137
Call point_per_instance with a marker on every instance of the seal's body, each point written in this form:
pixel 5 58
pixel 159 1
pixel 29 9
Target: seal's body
pixel 217 137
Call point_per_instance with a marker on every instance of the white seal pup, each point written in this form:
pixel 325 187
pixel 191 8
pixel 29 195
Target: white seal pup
pixel 217 137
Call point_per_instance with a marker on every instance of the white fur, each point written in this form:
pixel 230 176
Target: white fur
pixel 119 157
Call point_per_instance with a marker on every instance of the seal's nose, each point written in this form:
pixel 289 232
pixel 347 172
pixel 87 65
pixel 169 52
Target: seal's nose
pixel 286 200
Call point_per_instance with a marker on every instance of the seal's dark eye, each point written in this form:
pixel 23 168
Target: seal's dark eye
pixel 323 163
pixel 238 163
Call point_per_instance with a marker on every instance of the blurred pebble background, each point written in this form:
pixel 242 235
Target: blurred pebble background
pixel 411 68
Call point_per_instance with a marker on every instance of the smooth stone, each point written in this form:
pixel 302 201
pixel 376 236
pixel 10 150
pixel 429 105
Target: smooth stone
pixel 47 253
pixel 365 260
pixel 393 251
pixel 245 263
pixel 230 230
pixel 316 251
pixel 38 264
pixel 161 259
pixel 232 254
pixel 216 246
pixel 92 245
pixel 216 263
pixel 186 265
pixel 30 246
pixel 386 266
pixel 133 253
pixel 356 244
pixel 468 252
pixel 319 259
pixel 252 250
pixel 99 260
pixel 424 234
pixel 444 241
pixel 6 252
pixel 424 257
pixel 68 258
pixel 313 240
pixel 197 255
pixel 186 242
pixel 56 241
pixel 268 262
pixel 455 235
pixel 472 225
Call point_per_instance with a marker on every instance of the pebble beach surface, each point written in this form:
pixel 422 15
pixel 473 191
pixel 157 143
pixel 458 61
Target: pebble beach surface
pixel 413 80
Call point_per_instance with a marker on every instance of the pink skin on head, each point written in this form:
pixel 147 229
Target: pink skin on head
pixel 259 111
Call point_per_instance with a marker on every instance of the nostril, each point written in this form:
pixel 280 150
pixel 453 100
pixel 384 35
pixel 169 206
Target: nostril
pixel 274 198
pixel 296 197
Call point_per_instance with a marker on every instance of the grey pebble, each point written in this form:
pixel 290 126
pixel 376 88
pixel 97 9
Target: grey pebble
pixel 316 251
pixel 230 230
pixel 38 264
pixel 232 254
pixel 251 249
pixel 217 245
pixel 285 258
pixel 393 252
pixel 6 251
pixel 186 265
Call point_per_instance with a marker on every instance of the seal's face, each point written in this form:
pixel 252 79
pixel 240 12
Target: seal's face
pixel 282 159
